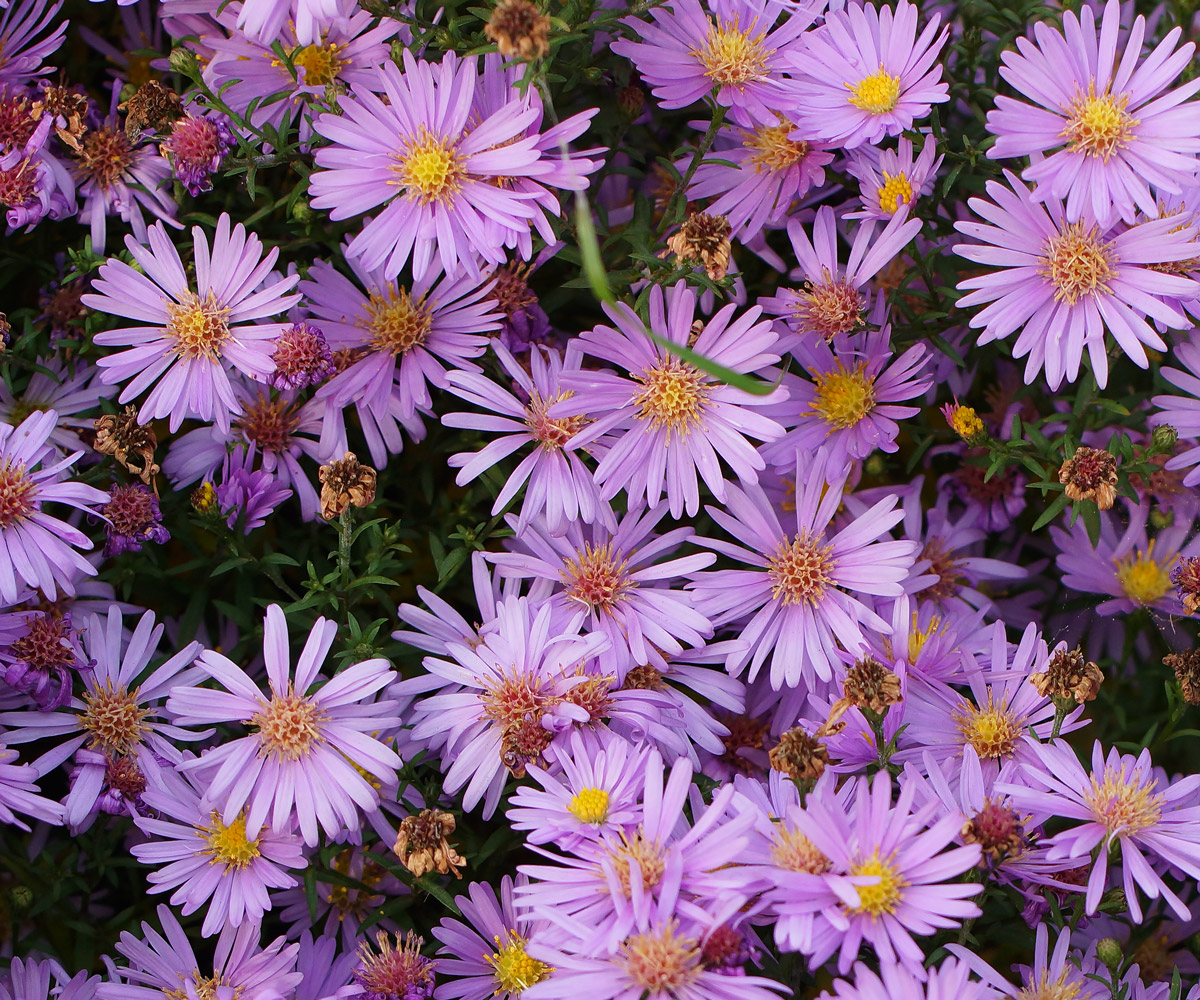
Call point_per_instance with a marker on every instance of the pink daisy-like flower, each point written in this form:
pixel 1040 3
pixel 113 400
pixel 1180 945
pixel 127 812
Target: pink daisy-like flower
pixel 948 981
pixel 830 300
pixel 196 335
pixel 1064 284
pixel 1108 131
pixel 804 595
pixel 38 550
pixel 69 390
pixel 1181 412
pixel 865 74
pixel 21 53
pixel 892 180
pixel 400 340
pixel 766 169
pixel 309 751
pixel 208 861
pixel 1058 972
pixel 558 486
pixel 734 47
pixel 851 406
pixel 612 582
pixel 438 177
pixel 1124 801
pixel 667 419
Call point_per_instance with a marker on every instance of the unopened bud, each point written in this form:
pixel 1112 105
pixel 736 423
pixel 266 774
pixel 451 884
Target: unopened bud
pixel 1163 438
pixel 183 61
pixel 1114 902
pixel 631 101
pixel 1109 951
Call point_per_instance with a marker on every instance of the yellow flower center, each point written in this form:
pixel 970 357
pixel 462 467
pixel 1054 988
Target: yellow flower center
pixel 844 397
pixel 202 987
pixel 1043 988
pixel 882 896
pixel 113 718
pixel 512 967
pixel 1098 126
pixel 198 326
pixel 800 569
pixel 320 63
pixel 1123 804
pixel 674 396
pixel 795 852
pixel 772 149
pixel 878 93
pixel 589 805
pixel 896 191
pixel 289 725
pixel 993 730
pixel 662 964
pixel 917 637
pixel 829 307
pixel 1144 578
pixel 595 579
pixel 646 854
pixel 731 56
pixel 1078 263
pixel 551 433
pixel 396 322
pixel 17 493
pixel 430 168
pixel 229 845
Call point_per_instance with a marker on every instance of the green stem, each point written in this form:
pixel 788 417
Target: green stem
pixel 678 204
pixel 345 538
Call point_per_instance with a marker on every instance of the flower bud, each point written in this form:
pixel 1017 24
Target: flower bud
pixel 1163 438
pixel 1109 951
pixel 183 61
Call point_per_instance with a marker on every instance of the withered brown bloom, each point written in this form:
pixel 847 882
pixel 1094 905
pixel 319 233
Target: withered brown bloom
pixel 130 443
pixel 1090 474
pixel 422 846
pixel 344 482
pixel 703 239
pixel 1069 676
pixel 519 29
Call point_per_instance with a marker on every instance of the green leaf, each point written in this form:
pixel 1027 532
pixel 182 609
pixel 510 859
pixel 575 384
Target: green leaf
pixel 1050 513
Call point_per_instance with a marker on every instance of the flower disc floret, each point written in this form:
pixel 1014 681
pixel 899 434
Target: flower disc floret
pixel 877 93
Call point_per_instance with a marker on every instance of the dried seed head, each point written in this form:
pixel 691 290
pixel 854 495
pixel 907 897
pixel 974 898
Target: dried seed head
pixel 703 239
pixel 344 482
pixel 421 843
pixel 5 332
pixel 871 685
pixel 151 109
pixel 519 29
pixel 1186 577
pixel 1069 676
pixel 130 443
pixel 1090 474
pixel 68 106
pixel 800 756
pixel 1187 672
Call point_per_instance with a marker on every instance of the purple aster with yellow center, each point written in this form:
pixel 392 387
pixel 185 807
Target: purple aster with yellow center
pixel 667 421
pixel 891 180
pixel 196 334
pixel 808 590
pixel 312 751
pixel 1065 284
pixel 1104 132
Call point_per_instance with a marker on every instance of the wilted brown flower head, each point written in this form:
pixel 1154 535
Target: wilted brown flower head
pixel 1186 577
pixel 421 843
pixel 1090 474
pixel 511 288
pixel 800 756
pixel 998 830
pixel 871 685
pixel 67 106
pixel 1187 672
pixel 151 109
pixel 1069 676
pixel 61 306
pixel 130 443
pixel 344 482
pixel 5 331
pixel 519 29
pixel 703 239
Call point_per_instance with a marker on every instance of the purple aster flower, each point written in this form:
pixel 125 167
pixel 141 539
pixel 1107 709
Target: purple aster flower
pixel 558 486
pixel 850 407
pixel 398 340
pixel 164 963
pixel 41 654
pixel 341 908
pixel 115 177
pixel 764 171
pixel 615 583
pixel 1063 284
pixel 891 180
pixel 245 495
pixel 1124 801
pixel 503 699
pixel 267 18
pixel 896 859
pixel 442 624
pixel 625 883
pixel 1182 412
pixel 394 973
pixel 448 208
pixel 68 390
pixel 30 980
pixel 486 950
pixel 196 147
pixel 325 977
pixel 948 981
pixel 830 301
pixel 1057 973
pixel 734 47
pixel 196 335
pixel 19 793
pixel 305 754
pixel 39 550
pixel 210 862
pixel 668 419
pixel 1108 131
pixel 1132 568
pixel 302 357
pixel 120 713
pixel 34 183
pixel 133 518
pixel 343 52
pixel 594 789
pixel 21 53
pixel 865 74
pixel 804 594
